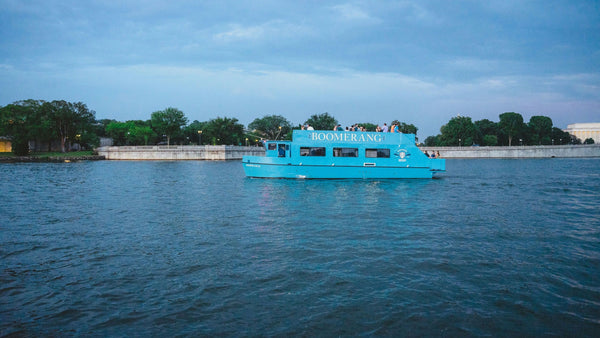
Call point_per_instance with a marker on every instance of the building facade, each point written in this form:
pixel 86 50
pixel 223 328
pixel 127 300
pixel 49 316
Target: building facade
pixel 584 131
pixel 5 145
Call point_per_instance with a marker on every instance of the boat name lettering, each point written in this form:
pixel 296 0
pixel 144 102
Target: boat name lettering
pixel 346 137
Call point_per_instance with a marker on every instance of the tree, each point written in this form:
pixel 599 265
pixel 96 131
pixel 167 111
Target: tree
pixel 140 134
pixel 539 130
pixel 485 128
pixel 511 125
pixel 68 120
pixel 432 141
pixel 15 120
pixel 168 122
pixel 458 131
pixel 118 132
pixel 194 131
pixel 490 140
pixel 223 130
pixel 588 141
pixel 271 127
pixel 562 137
pixel 322 121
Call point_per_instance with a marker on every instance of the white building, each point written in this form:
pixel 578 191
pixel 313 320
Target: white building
pixel 584 131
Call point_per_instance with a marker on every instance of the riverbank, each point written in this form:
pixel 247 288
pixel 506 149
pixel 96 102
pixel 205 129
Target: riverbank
pixel 237 152
pixel 205 152
pixel 562 151
pixel 51 157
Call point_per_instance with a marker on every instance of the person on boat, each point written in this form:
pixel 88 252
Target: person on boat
pixel 385 128
pixel 339 127
pixel 437 154
pixel 310 127
pixel 432 154
pixel 426 153
pixel 393 130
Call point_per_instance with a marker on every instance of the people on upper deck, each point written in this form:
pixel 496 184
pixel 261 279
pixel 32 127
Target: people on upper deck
pixel 426 153
pixel 309 127
pixel 384 129
pixel 437 154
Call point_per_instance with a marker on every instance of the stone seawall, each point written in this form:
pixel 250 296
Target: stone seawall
pixel 567 151
pixel 237 152
pixel 179 152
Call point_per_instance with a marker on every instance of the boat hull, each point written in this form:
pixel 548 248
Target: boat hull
pixel 274 170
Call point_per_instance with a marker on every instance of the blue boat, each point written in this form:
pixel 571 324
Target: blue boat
pixel 343 154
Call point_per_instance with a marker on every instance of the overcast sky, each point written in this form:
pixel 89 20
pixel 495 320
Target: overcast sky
pixel 421 62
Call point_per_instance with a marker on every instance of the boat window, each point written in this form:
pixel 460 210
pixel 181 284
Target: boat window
pixel 345 152
pixel 272 146
pixel 312 151
pixel 380 152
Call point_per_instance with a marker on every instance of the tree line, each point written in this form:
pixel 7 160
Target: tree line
pixel 509 130
pixel 68 123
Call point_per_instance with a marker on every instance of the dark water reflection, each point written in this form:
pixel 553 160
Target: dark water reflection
pixel 494 247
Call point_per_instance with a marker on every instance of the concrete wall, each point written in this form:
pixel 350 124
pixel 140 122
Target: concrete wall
pixel 179 152
pixel 236 152
pixel 592 150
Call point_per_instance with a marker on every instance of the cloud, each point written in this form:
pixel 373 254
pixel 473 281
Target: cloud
pixel 273 29
pixel 352 12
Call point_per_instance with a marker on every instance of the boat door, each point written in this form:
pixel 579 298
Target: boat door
pixel 283 150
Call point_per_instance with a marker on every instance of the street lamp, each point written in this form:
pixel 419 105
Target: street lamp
pixel 199 137
pixel 246 141
pixel 459 140
pixel 521 140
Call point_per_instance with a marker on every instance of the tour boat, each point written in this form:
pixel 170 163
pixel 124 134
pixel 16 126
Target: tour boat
pixel 343 154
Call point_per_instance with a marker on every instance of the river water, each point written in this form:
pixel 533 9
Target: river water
pixel 193 248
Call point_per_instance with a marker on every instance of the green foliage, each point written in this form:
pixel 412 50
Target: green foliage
pixel 459 131
pixel 271 127
pixel 490 140
pixel 193 132
pixel 511 126
pixel 322 121
pixel 168 122
pixel 140 135
pixel 432 141
pixel 560 137
pixel 68 120
pixel 483 128
pixel 588 141
pixel 223 130
pixel 40 121
pixel 20 145
pixel 539 130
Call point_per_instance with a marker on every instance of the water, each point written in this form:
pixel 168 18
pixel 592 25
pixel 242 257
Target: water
pixel 494 247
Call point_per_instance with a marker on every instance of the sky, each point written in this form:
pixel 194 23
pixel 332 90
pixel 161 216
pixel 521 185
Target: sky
pixel 419 62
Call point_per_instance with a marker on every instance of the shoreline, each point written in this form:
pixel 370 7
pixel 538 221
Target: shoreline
pixel 212 153
pixel 50 159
